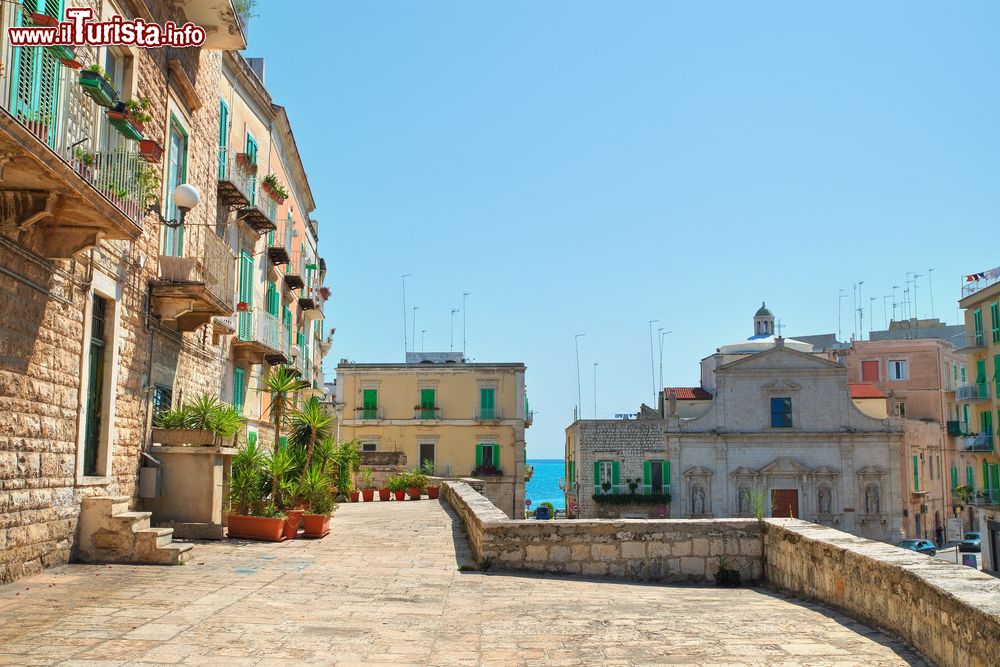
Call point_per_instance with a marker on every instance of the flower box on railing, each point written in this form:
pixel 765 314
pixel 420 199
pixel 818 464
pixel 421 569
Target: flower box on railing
pixel 65 53
pixel 150 151
pixel 97 88
pixel 245 163
pixel 125 126
pixel 44 20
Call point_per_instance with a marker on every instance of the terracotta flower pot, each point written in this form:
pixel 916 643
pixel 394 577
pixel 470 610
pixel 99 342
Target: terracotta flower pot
pixel 150 151
pixel 368 495
pixel 354 496
pixel 400 495
pixel 315 525
pixel 384 494
pixel 292 520
pixel 432 492
pixel 263 528
pixel 414 492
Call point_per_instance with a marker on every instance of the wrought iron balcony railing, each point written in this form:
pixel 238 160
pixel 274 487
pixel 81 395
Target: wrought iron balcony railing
pixel 979 443
pixel 979 391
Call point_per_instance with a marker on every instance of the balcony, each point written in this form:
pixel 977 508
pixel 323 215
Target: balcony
pixel 279 242
pixel 262 211
pixel 257 337
pixel 972 392
pixel 60 194
pixel 981 497
pixel 237 178
pixel 295 270
pixel 222 326
pixel 193 289
pixel 311 303
pixel 368 413
pixel 971 288
pixel 488 414
pixel 625 489
pixel 426 413
pixel 979 443
pixel 957 428
pixel 966 343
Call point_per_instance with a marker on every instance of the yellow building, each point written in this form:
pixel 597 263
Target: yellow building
pixel 468 419
pixel 981 407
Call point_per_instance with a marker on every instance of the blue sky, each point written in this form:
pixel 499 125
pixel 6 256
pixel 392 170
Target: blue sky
pixel 585 167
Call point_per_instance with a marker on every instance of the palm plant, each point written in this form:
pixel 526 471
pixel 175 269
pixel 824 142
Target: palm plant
pixel 201 410
pixel 280 466
pixel 246 487
pixel 347 461
pixel 280 383
pixel 314 487
pixel 309 422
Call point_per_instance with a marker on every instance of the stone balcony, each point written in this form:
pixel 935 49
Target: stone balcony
pixel 193 289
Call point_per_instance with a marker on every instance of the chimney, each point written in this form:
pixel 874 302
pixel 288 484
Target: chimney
pixel 257 65
pixel 779 342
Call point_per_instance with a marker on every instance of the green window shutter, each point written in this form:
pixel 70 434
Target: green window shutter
pixel 572 472
pixel 970 478
pixel 614 472
pixel 995 320
pixel 223 136
pixel 996 374
pixel 986 475
pixel 238 388
pixel 251 438
pixel 647 474
pixel 980 371
pixel 954 477
pixel 246 295
pixel 496 455
pixel 916 474
pixel 427 398
pixel 487 403
pixel 994 476
pixel 283 443
pixel 986 422
pixel 666 474
pixel 479 455
pixel 370 398
pixel 977 322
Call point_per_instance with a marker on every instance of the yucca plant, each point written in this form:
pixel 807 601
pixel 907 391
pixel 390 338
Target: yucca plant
pixel 226 422
pixel 280 383
pixel 280 466
pixel 202 410
pixel 314 488
pixel 347 461
pixel 309 422
pixel 247 486
pixel 175 418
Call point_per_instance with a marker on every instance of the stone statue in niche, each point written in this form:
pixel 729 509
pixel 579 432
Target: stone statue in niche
pixel 744 500
pixel 825 499
pixel 873 504
pixel 698 499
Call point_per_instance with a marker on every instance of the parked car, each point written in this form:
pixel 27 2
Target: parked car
pixel 971 543
pixel 925 547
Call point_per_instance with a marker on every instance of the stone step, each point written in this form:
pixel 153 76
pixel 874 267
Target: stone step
pixel 107 505
pixel 134 520
pixel 159 536
pixel 175 553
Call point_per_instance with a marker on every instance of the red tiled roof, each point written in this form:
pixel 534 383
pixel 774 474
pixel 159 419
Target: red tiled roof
pixel 687 393
pixel 864 390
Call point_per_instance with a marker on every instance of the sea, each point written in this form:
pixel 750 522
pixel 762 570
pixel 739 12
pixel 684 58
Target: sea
pixel 544 484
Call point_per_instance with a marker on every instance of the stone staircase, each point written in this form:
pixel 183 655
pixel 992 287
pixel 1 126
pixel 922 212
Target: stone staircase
pixel 110 533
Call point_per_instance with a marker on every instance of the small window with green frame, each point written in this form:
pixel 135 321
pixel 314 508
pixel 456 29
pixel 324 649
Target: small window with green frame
pixel 487 459
pixel 606 476
pixel 487 403
pixel 428 404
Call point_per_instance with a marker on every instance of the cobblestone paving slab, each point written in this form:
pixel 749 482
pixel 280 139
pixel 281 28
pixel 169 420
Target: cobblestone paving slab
pixel 384 588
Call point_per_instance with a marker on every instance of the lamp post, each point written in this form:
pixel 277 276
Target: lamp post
pixel 185 196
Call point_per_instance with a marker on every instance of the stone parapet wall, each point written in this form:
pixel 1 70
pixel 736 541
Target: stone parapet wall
pixel 949 612
pixel 658 550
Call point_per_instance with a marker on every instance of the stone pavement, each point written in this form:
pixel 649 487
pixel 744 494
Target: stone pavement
pixel 385 588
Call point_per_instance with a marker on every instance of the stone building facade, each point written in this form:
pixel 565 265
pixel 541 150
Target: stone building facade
pixel 110 314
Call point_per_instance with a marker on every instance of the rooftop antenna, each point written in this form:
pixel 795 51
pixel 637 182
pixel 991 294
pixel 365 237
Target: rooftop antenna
pixel 840 306
pixel 595 390
pixel 652 367
pixel 778 324
pixel 916 312
pixel 871 317
pixel 894 302
pixel 576 340
pixel 422 332
pixel 414 323
pixel 451 346
pixel 885 310
pixel 930 285
pixel 464 311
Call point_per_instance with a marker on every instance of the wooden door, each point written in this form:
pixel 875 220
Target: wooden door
pixel 785 503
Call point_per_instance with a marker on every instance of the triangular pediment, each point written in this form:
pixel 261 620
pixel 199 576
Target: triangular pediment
pixel 825 470
pixel 743 471
pixel 784 464
pixel 871 471
pixel 698 471
pixel 780 358
pixel 781 385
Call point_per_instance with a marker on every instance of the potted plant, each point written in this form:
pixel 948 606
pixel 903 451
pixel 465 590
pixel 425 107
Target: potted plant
pixel 633 484
pixel 275 188
pixel 384 493
pixel 367 490
pixel 430 470
pixel 606 487
pixel 487 470
pixel 39 123
pixel 415 484
pixel 40 20
pixel 202 422
pixel 246 163
pixel 150 150
pixel 137 112
pixel 315 489
pixel 121 122
pixel 65 53
pixel 280 383
pixel 397 484
pixel 96 84
pixel 252 516
pixel 85 161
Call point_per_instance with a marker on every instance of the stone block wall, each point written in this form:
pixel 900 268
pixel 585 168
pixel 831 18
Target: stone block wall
pixel 949 612
pixel 656 550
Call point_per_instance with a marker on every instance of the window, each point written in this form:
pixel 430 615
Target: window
pixel 223 137
pixel 369 446
pixel 95 386
pixel 901 409
pixel 781 412
pixel 986 422
pixel 963 373
pixel 177 149
pixel 897 369
pixel 977 322
pixel 605 476
pixel 239 388
pixel 916 473
pixel 369 404
pixel 996 374
pixel 655 476
pixel 163 398
pixel 970 477
pixel 954 477
pixel 487 403
pixel 244 328
pixel 869 371
pixel 273 299
pixel 488 454
pixel 995 320
pixel 427 404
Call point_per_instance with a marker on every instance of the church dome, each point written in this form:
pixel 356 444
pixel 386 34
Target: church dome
pixel 763 311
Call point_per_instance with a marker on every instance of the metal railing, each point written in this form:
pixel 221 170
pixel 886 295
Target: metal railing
pixel 957 428
pixel 296 263
pixel 368 413
pixel 488 413
pixel 427 413
pixel 237 171
pixel 281 236
pixel 984 497
pixel 982 442
pixel 640 490
pixel 42 94
pixel 211 262
pixel 264 202
pixel 258 326
pixel 968 289
pixel 979 391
